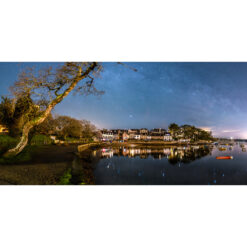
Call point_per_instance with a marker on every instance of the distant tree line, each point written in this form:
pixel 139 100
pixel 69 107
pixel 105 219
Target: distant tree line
pixel 189 132
pixel 14 114
pixel 67 127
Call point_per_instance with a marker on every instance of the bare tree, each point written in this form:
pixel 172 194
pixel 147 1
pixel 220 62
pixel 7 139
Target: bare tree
pixel 68 127
pixel 47 88
pixel 88 129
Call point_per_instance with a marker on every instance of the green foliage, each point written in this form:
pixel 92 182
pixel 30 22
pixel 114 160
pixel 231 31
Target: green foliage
pixel 7 142
pixel 45 128
pixel 41 140
pixel 6 111
pixel 174 129
pixel 173 126
pixel 65 179
pixel 68 127
pixel 88 130
pixel 189 132
pixel 15 113
pixel 24 156
pixel 7 139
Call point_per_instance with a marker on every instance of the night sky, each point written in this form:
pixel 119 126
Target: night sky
pixel 208 95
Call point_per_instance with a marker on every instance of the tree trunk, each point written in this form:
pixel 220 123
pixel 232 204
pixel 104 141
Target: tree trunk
pixel 38 120
pixel 22 144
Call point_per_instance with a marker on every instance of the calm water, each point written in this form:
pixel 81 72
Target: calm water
pixel 171 166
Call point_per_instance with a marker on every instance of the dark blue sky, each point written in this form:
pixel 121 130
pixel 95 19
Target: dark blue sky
pixel 209 95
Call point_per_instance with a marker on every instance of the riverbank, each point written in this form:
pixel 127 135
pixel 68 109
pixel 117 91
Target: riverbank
pixel 45 166
pixel 48 164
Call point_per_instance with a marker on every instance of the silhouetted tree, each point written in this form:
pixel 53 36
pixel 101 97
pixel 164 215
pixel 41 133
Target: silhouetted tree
pixel 68 127
pixel 6 111
pixel 88 129
pixel 15 112
pixel 48 127
pixel 174 129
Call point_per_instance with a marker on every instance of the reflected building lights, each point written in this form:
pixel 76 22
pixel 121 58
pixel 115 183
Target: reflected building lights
pixel 174 154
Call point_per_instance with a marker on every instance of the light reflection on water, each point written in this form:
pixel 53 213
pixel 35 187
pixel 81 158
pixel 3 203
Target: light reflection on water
pixel 172 165
pixel 174 155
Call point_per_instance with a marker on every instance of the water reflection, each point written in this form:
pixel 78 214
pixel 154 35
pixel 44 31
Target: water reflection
pixel 174 155
pixel 215 176
pixel 156 166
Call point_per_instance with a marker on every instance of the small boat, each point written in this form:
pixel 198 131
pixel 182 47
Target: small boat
pixel 242 145
pixel 243 149
pixel 224 157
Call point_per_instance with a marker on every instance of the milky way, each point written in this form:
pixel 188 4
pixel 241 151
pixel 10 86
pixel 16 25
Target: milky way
pixel 208 95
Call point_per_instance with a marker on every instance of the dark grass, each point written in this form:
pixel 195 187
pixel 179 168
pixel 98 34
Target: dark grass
pixel 7 142
pixel 66 178
pixel 24 156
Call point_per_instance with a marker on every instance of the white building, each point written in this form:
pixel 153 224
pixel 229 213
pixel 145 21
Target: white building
pixel 167 137
pixel 107 136
pixel 138 137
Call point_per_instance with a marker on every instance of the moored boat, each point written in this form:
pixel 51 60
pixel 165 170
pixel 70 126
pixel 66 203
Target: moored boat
pixel 224 157
pixel 222 149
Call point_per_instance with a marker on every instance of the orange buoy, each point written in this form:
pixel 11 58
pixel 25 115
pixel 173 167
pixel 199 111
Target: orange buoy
pixel 224 157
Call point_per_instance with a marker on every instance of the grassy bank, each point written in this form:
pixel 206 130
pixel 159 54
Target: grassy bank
pixel 24 157
pixel 7 142
pixel 47 164
pixel 66 178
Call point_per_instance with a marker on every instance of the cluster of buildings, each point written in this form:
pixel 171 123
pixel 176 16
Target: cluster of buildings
pixel 136 134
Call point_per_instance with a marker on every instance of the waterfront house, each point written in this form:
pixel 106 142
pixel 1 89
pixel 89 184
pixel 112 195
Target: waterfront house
pixel 156 136
pixel 158 131
pixel 167 137
pixel 144 137
pixel 132 133
pixel 143 134
pixel 137 137
pixel 125 136
pixel 116 134
pixel 107 135
pixel 144 131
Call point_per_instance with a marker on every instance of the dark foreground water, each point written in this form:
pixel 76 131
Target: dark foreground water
pixel 194 165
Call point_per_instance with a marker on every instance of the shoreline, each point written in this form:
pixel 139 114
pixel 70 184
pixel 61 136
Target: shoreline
pixel 153 144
